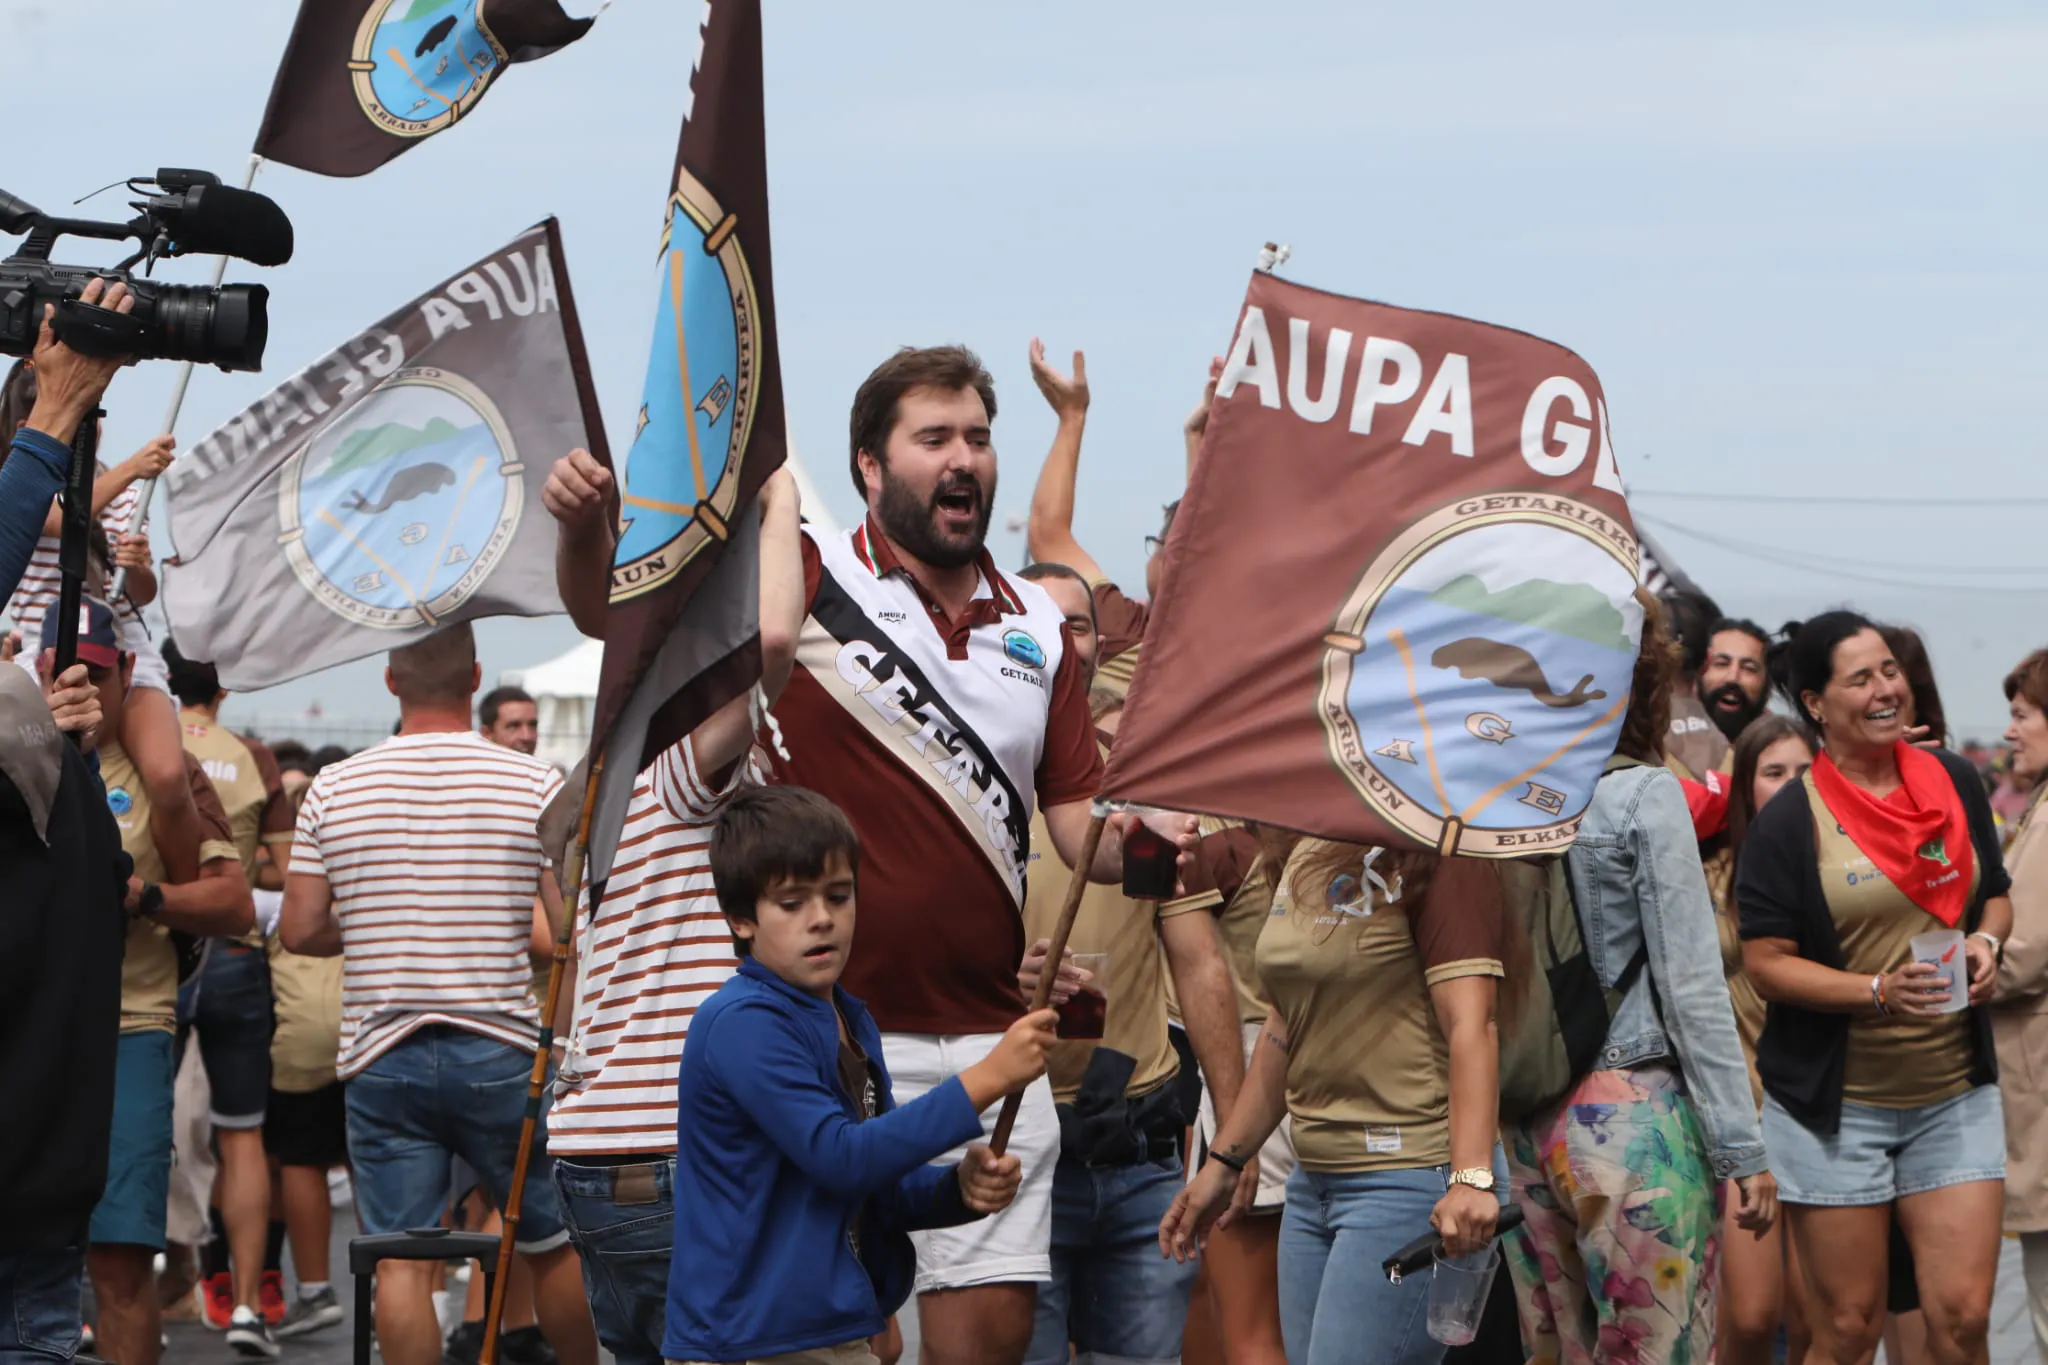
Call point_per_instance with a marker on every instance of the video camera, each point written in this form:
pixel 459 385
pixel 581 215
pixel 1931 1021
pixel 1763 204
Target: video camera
pixel 188 212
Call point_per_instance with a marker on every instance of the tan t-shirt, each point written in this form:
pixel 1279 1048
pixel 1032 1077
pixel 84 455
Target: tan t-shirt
pixel 1894 1063
pixel 307 1039
pixel 149 966
pixel 251 790
pixel 1749 1006
pixel 1129 932
pixel 1368 1070
pixel 1231 866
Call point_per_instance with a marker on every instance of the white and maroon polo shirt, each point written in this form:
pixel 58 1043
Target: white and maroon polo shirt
pixel 938 737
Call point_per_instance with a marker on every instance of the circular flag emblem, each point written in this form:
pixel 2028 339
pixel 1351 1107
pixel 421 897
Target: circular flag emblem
pixel 400 508
pixel 1478 677
pixel 697 407
pixel 119 801
pixel 1023 649
pixel 418 65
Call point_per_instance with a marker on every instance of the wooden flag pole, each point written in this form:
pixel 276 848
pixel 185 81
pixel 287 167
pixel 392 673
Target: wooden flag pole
pixel 1061 932
pixel 536 1084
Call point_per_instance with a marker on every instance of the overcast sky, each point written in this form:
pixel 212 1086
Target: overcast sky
pixel 1803 251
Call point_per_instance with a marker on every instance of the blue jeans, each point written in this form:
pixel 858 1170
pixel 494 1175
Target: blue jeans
pixel 620 1221
pixel 1112 1293
pixel 39 1305
pixel 439 1093
pixel 1336 1307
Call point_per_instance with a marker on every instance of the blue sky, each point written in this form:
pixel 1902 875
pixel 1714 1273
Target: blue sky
pixel 1802 248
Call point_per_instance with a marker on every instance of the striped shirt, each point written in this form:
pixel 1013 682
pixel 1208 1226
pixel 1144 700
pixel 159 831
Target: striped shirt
pixel 658 949
pixel 429 846
pixel 41 581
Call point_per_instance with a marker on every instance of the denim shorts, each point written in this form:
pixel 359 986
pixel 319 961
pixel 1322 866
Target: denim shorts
pixel 439 1093
pixel 231 1011
pixel 622 1221
pixel 1879 1155
pixel 132 1209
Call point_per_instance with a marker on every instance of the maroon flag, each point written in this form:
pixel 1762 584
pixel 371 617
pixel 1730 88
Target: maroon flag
pixel 364 80
pixel 1397 603
pixel 683 637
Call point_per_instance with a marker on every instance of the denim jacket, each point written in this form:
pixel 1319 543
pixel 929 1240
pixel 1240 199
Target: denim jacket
pixel 1635 873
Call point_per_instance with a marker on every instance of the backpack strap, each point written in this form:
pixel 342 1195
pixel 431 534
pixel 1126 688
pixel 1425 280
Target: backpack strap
pixel 1624 983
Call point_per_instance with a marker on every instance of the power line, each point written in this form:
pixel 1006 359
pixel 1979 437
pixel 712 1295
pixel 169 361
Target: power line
pixel 1850 561
pixel 1833 499
pixel 1772 554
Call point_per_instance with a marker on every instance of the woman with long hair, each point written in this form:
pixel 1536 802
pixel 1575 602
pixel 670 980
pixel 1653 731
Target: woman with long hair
pixel 1880 1092
pixel 1619 1181
pixel 2019 1014
pixel 1759 1289
pixel 1384 970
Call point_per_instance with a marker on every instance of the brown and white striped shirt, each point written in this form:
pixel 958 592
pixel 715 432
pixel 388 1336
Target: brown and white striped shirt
pixel 657 950
pixel 429 846
pixel 41 581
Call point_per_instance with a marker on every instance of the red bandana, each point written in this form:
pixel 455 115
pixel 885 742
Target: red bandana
pixel 1918 836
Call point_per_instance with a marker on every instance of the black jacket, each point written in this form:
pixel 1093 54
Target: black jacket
pixel 61 934
pixel 1802 1054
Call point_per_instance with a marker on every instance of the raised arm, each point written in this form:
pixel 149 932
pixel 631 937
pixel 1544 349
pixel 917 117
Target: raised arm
pixel 1049 534
pixel 583 498
pixel 724 738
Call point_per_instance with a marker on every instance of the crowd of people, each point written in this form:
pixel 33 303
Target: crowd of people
pixel 1754 1062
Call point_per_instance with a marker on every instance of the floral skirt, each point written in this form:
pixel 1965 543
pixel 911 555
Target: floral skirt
pixel 1617 1261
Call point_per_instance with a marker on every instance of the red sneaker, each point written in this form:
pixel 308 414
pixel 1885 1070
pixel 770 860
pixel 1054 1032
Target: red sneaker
pixel 271 1297
pixel 217 1300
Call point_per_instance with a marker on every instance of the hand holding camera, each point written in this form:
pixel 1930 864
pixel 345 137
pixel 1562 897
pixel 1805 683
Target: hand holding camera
pixel 69 385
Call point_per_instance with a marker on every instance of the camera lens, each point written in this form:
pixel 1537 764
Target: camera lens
pixel 225 326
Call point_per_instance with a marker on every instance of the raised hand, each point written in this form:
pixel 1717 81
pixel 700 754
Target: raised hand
pixel 1067 394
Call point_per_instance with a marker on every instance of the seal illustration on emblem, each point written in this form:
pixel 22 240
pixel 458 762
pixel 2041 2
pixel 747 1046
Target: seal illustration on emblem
pixel 697 409
pixel 1477 678
pixel 419 65
pixel 398 510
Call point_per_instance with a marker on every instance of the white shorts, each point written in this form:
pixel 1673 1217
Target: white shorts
pixel 1276 1158
pixel 1014 1246
pixel 150 670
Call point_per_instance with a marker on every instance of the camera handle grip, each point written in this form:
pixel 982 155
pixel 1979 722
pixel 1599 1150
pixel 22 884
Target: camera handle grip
pixel 1421 1252
pixel 103 333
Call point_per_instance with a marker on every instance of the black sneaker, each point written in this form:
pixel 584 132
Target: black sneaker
pixel 310 1313
pixel 464 1345
pixel 526 1346
pixel 250 1335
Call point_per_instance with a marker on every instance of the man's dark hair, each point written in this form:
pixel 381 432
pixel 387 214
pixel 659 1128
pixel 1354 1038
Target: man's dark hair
pixel 1041 570
pixel 329 753
pixel 949 368
pixel 487 709
pixel 1738 623
pixel 1690 614
pixel 770 834
pixel 439 669
pixel 192 683
pixel 292 755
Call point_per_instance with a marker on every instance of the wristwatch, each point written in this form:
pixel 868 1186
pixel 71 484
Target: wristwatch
pixel 1997 944
pixel 1478 1177
pixel 149 903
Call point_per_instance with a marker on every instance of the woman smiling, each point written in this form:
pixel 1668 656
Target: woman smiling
pixel 2020 1019
pixel 1880 1088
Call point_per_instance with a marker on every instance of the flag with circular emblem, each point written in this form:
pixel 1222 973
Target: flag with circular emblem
pixel 365 80
pixel 1398 601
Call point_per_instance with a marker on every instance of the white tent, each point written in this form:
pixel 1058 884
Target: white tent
pixel 565 687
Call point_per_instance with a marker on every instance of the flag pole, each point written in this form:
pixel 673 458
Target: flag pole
pixel 536 1083
pixel 119 587
pixel 1077 886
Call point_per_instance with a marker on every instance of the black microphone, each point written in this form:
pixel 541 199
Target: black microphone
pixel 220 220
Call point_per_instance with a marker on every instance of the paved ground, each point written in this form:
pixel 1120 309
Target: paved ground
pixel 2012 1335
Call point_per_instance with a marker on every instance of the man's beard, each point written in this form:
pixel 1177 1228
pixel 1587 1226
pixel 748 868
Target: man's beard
pixel 913 522
pixel 1733 719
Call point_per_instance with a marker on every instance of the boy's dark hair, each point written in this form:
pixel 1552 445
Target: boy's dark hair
pixel 768 834
pixel 1741 625
pixel 192 683
pixel 948 368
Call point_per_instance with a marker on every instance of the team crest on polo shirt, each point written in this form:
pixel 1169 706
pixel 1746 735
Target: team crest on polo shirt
pixel 1023 648
pixel 119 801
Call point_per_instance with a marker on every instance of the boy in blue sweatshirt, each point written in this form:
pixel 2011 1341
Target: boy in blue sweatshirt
pixel 797 1177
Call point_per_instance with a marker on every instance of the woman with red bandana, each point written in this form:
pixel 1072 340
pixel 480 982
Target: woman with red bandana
pixel 1880 1091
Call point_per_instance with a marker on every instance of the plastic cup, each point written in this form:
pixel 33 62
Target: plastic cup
pixel 1943 950
pixel 1086 1013
pixel 1458 1287
pixel 1151 861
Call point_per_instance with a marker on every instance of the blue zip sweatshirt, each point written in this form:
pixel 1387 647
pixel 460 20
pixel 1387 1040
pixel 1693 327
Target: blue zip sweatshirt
pixel 774 1167
pixel 33 474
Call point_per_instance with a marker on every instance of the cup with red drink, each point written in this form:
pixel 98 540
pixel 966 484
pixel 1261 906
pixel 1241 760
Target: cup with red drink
pixel 1084 1014
pixel 1151 859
